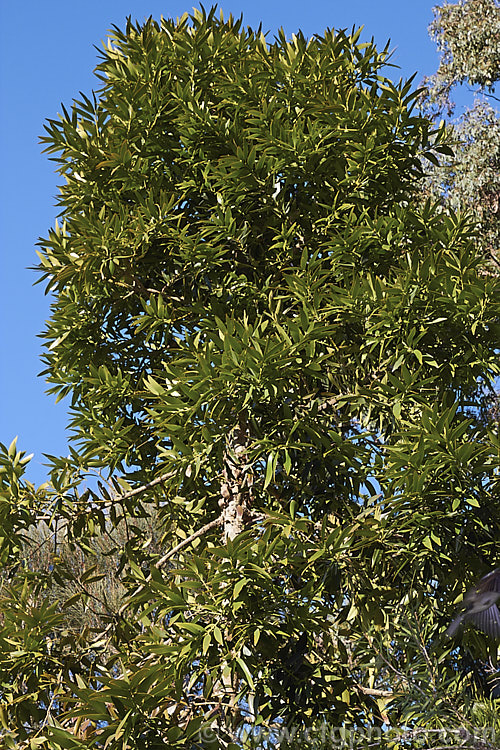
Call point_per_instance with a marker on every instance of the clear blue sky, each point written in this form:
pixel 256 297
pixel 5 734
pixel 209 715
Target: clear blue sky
pixel 47 57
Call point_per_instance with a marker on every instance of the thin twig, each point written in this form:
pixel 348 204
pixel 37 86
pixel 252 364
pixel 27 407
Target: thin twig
pixel 401 675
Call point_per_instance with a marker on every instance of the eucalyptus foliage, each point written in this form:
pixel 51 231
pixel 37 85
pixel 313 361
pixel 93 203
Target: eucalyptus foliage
pixel 467 34
pixel 276 359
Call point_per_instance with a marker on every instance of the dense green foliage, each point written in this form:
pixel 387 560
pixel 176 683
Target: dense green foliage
pixel 277 361
pixel 468 36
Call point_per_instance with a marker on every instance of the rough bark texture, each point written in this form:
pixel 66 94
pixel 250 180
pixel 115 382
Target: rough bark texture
pixel 236 490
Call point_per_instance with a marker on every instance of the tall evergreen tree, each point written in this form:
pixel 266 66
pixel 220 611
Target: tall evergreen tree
pixel 273 353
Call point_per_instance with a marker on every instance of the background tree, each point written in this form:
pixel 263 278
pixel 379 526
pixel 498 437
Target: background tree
pixel 468 36
pixel 274 354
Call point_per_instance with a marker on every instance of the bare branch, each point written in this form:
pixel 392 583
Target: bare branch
pixel 211 525
pixel 145 487
pixel 375 692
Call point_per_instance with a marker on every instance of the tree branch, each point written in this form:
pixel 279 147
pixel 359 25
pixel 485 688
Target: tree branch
pixel 375 692
pixel 257 517
pixel 211 525
pixel 145 487
pixel 483 93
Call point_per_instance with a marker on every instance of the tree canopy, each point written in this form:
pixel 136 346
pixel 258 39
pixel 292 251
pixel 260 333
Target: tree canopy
pixel 278 360
pixel 468 36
